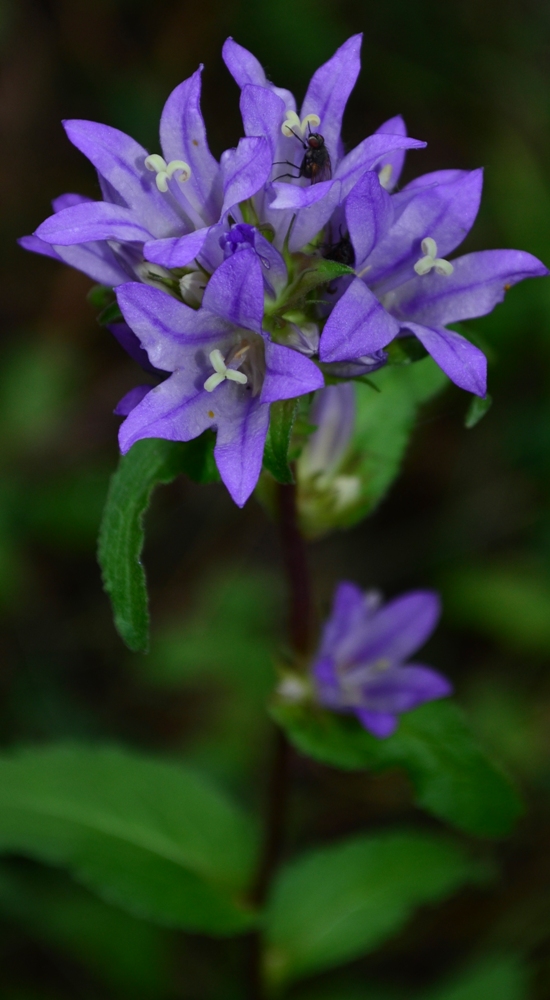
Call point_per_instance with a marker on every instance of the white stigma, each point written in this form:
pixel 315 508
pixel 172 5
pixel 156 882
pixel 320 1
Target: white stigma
pixel 293 123
pixel 165 171
pixel 385 176
pixel 431 260
pixel 222 372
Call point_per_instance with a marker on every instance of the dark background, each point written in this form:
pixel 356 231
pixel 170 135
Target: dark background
pixel 469 515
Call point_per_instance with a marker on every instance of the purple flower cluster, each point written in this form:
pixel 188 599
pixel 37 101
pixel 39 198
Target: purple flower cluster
pixel 213 262
pixel 360 667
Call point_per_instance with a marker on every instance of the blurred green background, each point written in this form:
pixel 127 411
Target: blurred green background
pixel 469 515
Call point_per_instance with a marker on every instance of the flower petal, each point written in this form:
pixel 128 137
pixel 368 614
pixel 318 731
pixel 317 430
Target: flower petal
pixel 395 631
pixel 368 153
pixel 242 429
pixel 245 69
pixel 245 170
pixel 369 215
pixel 176 251
pixel 121 162
pixel 333 413
pixel 350 609
pixel 68 200
pixel 177 410
pixel 444 210
pixel 263 113
pixel 131 400
pixel 129 342
pixel 329 89
pixel 400 689
pixel 172 333
pixel 380 724
pixel 183 137
pixel 288 374
pixel 357 325
pixel 479 281
pixel 236 291
pixel 90 221
pixel 395 159
pixel 464 363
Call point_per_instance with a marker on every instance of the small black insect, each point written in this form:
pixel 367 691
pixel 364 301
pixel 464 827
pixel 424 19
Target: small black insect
pixel 342 252
pixel 316 164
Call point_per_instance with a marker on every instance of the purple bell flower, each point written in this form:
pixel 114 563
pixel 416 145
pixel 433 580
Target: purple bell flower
pixel 360 666
pixel 225 369
pixel 406 284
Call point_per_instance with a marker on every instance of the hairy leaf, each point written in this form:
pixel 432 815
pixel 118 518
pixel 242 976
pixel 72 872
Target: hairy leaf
pixel 151 837
pixel 334 904
pixel 148 463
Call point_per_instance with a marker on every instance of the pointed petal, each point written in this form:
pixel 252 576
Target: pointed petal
pixel 121 161
pixel 444 210
pixel 401 689
pixel 176 251
pixel 36 245
pixel 94 259
pixel 288 374
pixel 464 363
pixel 68 200
pixel 369 215
pixel 183 137
pixel 367 154
pixel 130 343
pixel 395 631
pixel 349 611
pixel 245 69
pixel 395 159
pixel 245 170
pixel 177 410
pixel 329 89
pixel 242 429
pixel 96 220
pixel 172 333
pixel 479 281
pixel 380 724
pixel 236 291
pixel 131 400
pixel 263 114
pixel 357 325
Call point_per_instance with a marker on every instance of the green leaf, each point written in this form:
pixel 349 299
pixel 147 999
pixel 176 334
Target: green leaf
pixel 322 273
pixel 335 904
pixel 110 314
pixel 128 954
pixel 451 776
pixel 151 837
pixel 148 463
pixel 476 410
pixel 281 420
pixel 101 296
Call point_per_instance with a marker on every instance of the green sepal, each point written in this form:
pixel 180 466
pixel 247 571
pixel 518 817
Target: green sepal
pixel 111 314
pixel 405 351
pixel 281 422
pixel 476 410
pixel 100 296
pixel 321 273
pixel 451 776
pixel 148 463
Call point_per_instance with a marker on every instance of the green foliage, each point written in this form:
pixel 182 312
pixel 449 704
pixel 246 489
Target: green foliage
pixel 451 776
pixel 334 904
pixel 148 463
pixel 151 837
pixel 281 421
pixel 504 978
pixel 130 955
pixel 509 603
pixel 384 424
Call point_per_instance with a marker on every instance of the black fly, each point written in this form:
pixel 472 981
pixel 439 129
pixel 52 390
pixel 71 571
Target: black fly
pixel 316 164
pixel 342 252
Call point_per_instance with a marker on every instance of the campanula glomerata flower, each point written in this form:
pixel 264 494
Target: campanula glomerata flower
pixel 360 666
